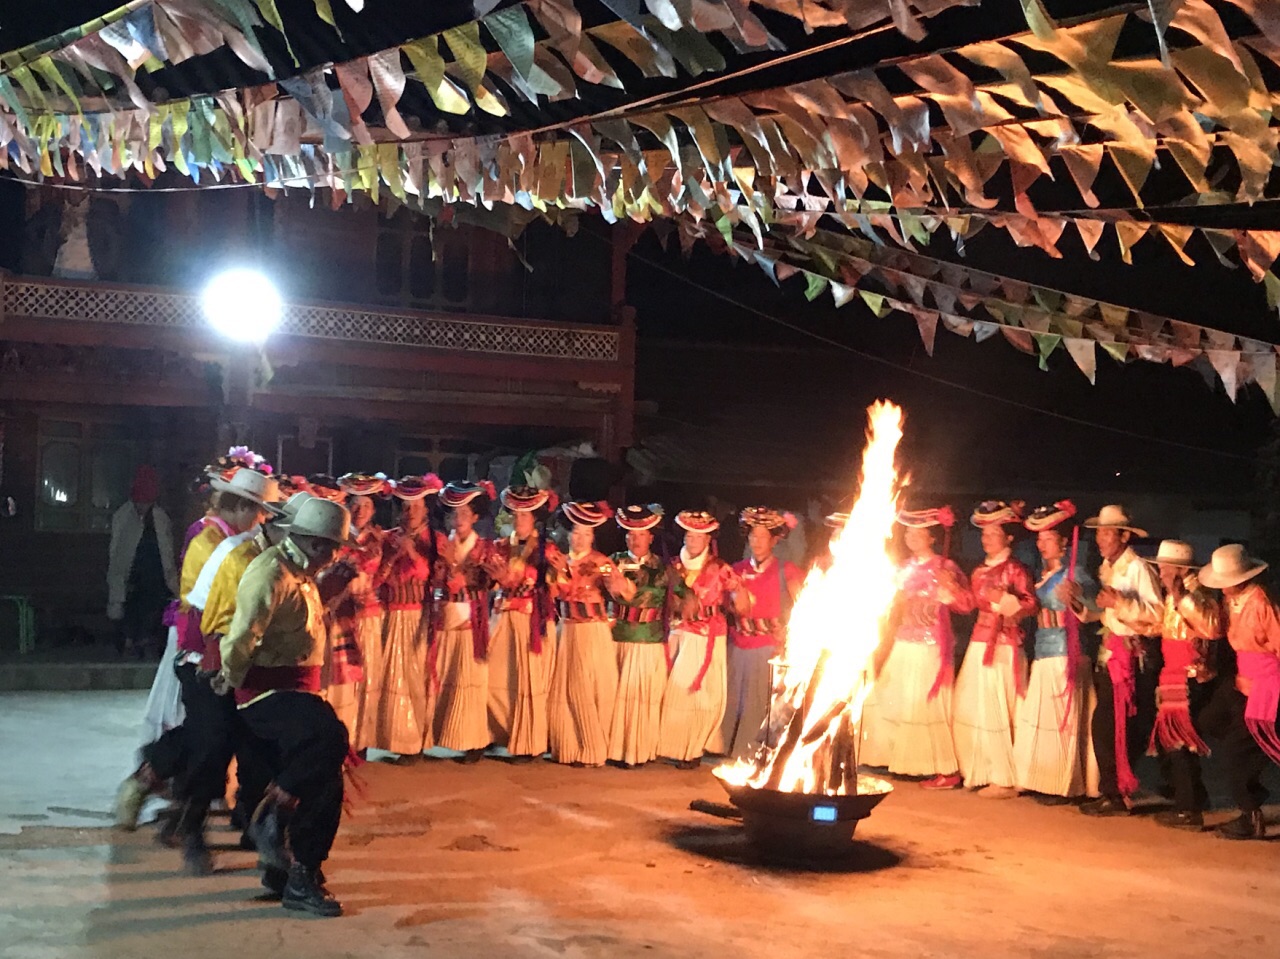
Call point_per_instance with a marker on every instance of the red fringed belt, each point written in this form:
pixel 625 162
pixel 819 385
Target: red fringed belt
pixel 1174 728
pixel 1123 698
pixel 1262 671
pixel 266 679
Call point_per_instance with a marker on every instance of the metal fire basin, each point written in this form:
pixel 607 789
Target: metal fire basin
pixel 803 827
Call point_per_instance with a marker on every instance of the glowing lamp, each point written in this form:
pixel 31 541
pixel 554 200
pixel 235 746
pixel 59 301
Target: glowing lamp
pixel 242 305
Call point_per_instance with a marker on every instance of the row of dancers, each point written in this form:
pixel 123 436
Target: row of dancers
pixel 1177 666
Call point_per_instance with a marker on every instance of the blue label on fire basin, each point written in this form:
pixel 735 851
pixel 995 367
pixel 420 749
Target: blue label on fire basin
pixel 822 813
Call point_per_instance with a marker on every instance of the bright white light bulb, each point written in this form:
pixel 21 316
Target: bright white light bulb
pixel 242 305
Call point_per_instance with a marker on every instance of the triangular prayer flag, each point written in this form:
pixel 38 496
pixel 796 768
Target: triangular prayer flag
pixel 1118 351
pixel 842 293
pixel 1227 365
pixel 927 324
pixel 1046 343
pixel 815 286
pixel 1085 354
pixel 874 301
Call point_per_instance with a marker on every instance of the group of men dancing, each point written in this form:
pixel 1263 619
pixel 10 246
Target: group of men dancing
pixel 1176 666
pixel 306 636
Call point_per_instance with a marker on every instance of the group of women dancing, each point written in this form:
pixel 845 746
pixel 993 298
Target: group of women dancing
pixel 518 648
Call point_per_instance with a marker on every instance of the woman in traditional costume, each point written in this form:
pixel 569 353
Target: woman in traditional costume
pixel 522 640
pixel 401 717
pixel 908 728
pixel 1050 740
pixel 460 625
pixel 993 674
pixel 362 607
pixel 758 634
pixel 639 585
pixel 585 683
pixel 693 699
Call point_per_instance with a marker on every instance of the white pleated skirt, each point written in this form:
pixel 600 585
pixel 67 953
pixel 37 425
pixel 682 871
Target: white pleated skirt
pixel 460 701
pixel 985 704
pixel 584 688
pixel 401 717
pixel 369 637
pixel 519 684
pixel 637 710
pixel 904 730
pixel 691 718
pixel 164 703
pixel 747 689
pixel 1049 742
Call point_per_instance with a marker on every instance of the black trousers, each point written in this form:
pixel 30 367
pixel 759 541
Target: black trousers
pixel 1137 730
pixel 195 755
pixel 309 741
pixel 1189 794
pixel 1222 720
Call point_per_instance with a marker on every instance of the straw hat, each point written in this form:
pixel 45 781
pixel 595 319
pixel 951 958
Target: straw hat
pixel 777 523
pixel 460 493
pixel 526 499
pixel 583 513
pixel 633 518
pixel 321 518
pixel 1113 517
pixel 1230 566
pixel 924 518
pixel 697 521
pixel 1174 552
pixel 415 487
pixel 363 484
pixel 994 512
pixel 289 510
pixel 1050 517
pixel 251 485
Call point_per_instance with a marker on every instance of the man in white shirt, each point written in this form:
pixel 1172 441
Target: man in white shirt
pixel 1130 607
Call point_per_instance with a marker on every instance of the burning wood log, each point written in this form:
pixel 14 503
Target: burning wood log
pixel 795 729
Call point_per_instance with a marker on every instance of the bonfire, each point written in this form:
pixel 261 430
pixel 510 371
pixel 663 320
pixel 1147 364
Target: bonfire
pixel 824 676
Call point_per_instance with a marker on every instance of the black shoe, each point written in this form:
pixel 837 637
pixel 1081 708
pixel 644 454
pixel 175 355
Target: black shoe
pixel 519 760
pixel 470 757
pixel 304 892
pixel 1106 806
pixel 240 817
pixel 168 835
pixel 1248 825
pixel 266 832
pixel 274 880
pixel 196 858
pixel 1180 819
pixel 687 763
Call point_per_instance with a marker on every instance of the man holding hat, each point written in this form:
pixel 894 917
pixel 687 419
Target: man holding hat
pixel 272 658
pixel 1242 713
pixel 1192 620
pixel 1130 607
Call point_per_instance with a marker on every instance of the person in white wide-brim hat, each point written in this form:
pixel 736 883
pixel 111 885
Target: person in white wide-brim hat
pixel 1241 716
pixel 1130 607
pixel 272 658
pixel 247 495
pixel 1188 632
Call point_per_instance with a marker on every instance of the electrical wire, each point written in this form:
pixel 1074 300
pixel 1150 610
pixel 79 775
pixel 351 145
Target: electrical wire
pixel 891 364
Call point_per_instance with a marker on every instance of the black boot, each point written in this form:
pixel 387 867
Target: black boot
pixel 1180 819
pixel 305 893
pixel 1106 806
pixel 1248 825
pixel 196 858
pixel 266 832
pixel 274 880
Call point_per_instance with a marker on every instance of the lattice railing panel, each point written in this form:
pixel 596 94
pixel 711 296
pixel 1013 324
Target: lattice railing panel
pixel 53 300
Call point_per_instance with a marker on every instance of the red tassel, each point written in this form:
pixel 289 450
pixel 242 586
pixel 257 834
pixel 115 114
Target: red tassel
pixel 715 629
pixel 1120 668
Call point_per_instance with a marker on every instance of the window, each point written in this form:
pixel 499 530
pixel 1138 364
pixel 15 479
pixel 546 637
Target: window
pixel 295 459
pixel 84 474
pixel 419 265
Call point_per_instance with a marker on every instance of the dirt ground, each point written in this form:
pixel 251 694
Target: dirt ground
pixel 497 860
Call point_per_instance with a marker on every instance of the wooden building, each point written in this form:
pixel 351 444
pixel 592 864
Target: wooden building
pixel 405 346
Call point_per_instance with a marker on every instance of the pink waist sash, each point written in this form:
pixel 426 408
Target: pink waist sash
pixel 1262 671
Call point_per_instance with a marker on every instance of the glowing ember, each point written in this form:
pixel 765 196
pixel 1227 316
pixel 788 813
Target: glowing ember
pixel 834 631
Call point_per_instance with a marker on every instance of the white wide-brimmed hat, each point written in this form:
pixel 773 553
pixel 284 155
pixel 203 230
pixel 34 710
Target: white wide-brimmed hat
pixel 294 503
pixel 322 518
pixel 1114 517
pixel 251 485
pixel 1174 552
pixel 1230 566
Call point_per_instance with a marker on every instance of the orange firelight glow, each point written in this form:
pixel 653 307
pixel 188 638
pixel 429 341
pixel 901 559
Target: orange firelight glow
pixel 834 630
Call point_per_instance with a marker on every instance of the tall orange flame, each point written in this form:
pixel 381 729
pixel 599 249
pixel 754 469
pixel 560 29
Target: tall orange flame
pixel 834 630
